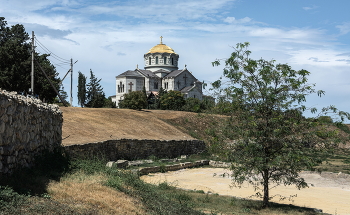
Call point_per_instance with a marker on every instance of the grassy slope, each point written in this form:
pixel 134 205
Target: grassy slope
pixel 86 125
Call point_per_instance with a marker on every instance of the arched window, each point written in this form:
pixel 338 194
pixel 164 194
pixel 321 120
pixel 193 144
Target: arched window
pixel 164 60
pixel 149 61
pixel 172 61
pixel 157 60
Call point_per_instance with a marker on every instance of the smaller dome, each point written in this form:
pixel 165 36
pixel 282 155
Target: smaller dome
pixel 161 48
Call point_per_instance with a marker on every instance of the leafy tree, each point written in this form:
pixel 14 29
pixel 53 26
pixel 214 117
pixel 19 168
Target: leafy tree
pixel 271 141
pixel 134 100
pixel 145 95
pixel 109 103
pixel 95 97
pixel 172 100
pixel 15 64
pixel 81 89
pixel 193 105
pixel 63 95
pixel 158 101
pixel 198 106
pixel 208 103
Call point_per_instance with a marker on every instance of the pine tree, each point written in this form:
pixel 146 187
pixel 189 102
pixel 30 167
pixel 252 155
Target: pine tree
pixel 81 89
pixel 95 96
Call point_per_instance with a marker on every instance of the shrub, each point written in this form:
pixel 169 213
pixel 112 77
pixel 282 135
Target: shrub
pixel 172 100
pixel 134 100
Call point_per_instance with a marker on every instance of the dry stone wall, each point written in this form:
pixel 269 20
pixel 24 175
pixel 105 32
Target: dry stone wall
pixel 27 127
pixel 130 149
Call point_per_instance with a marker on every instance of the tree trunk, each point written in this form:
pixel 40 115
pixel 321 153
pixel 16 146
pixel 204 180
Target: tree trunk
pixel 266 189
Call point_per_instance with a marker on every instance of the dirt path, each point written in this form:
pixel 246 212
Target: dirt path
pixel 328 191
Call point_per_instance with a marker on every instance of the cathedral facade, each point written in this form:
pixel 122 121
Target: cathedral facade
pixel 161 70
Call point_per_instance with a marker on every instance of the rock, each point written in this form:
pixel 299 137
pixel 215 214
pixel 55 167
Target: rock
pixel 110 164
pixel 122 164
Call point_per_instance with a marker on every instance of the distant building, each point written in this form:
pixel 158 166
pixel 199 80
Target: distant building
pixel 161 70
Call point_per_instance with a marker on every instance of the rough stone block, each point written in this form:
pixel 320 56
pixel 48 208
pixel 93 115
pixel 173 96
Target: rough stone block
pixel 122 164
pixel 110 164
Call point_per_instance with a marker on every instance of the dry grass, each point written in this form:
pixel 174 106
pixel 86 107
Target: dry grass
pixel 86 125
pixel 83 192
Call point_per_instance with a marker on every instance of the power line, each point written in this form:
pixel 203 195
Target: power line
pixel 51 53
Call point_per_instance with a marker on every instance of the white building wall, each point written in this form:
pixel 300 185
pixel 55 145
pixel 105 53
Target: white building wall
pixel 119 95
pixel 195 93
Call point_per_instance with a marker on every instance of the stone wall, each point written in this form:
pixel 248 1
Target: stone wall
pixel 136 149
pixel 27 126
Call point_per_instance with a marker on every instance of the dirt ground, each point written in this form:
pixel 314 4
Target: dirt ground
pixel 327 191
pixel 87 125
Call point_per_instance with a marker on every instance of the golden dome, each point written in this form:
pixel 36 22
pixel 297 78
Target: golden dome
pixel 161 48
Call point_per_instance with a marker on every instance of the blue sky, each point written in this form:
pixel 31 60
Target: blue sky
pixel 111 37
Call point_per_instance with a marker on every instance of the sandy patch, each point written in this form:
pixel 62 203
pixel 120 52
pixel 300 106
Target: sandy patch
pixel 328 191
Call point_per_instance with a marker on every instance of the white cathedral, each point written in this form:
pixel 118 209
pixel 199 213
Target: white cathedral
pixel 161 70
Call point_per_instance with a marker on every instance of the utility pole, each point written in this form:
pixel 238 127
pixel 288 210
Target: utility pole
pixel 32 75
pixel 71 81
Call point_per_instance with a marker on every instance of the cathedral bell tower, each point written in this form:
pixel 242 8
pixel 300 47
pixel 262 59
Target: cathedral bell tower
pixel 161 59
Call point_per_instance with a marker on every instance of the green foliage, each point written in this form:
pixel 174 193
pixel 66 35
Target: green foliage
pixel 159 97
pixel 81 89
pixel 271 141
pixel 63 94
pixel 9 198
pixel 172 100
pixel 153 197
pixel 198 106
pixel 343 127
pixel 109 103
pixel 15 64
pixel 95 97
pixel 325 119
pixel 192 105
pixel 134 100
pixel 88 166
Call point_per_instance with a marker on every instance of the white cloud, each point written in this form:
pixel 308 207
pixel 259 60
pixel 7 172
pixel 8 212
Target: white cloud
pixel 344 28
pixel 232 20
pixel 310 8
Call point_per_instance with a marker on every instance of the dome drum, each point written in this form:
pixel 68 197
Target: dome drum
pixel 161 60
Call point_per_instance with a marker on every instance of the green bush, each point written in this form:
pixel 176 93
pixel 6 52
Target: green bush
pixel 172 100
pixel 136 100
pixel 325 119
pixel 9 198
pixel 193 105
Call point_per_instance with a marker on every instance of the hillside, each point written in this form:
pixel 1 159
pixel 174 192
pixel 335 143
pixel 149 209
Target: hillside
pixel 86 125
